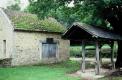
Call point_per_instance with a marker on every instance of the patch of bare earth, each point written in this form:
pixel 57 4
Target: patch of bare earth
pixel 90 74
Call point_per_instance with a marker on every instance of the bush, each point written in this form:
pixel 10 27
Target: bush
pixel 76 51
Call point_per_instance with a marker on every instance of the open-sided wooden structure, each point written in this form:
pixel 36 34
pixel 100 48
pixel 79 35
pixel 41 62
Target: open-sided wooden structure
pixel 85 34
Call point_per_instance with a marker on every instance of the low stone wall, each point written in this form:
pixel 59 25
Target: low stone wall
pixel 5 62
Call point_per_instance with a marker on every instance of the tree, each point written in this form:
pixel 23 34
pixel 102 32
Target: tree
pixel 94 12
pixel 115 18
pixel 82 11
pixel 15 6
pixel 111 11
pixel 54 8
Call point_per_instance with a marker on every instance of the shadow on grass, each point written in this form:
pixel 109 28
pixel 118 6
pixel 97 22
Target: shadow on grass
pixel 113 75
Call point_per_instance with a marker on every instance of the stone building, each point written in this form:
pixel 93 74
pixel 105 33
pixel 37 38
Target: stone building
pixel 25 40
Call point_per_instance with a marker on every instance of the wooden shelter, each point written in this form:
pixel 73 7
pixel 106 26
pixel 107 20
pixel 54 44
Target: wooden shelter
pixel 86 34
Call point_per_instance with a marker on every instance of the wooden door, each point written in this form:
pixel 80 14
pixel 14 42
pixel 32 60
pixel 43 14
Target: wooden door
pixel 49 50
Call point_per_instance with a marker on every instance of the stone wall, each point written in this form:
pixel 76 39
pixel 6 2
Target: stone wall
pixel 27 48
pixel 6 34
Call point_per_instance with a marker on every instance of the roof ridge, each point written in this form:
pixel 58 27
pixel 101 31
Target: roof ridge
pixel 100 33
pixel 83 27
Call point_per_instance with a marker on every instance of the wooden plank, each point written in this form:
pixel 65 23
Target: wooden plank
pixel 45 50
pixel 52 50
pixel 113 46
pixel 49 50
pixel 83 56
pixel 97 59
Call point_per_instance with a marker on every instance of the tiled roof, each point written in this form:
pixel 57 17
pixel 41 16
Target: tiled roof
pixel 95 32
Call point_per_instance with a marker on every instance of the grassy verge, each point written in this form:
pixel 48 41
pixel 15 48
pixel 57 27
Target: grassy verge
pixel 111 78
pixel 41 72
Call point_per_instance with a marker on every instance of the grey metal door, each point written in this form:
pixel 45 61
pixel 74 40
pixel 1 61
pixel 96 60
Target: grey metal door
pixel 49 50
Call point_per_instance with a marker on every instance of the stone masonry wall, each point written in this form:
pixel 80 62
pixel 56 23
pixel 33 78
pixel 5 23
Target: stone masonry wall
pixel 27 50
pixel 6 34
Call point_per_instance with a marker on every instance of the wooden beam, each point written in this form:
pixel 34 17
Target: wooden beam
pixel 113 47
pixel 83 56
pixel 97 66
pixel 100 54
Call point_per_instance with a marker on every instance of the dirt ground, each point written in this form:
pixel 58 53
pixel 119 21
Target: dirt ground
pixel 90 72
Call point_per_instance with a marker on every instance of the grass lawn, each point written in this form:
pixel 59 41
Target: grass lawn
pixel 41 72
pixel 111 78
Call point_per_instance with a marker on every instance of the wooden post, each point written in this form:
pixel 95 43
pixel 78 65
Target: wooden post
pixel 112 54
pixel 100 54
pixel 97 59
pixel 83 57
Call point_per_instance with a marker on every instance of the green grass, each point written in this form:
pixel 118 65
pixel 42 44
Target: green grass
pixel 111 78
pixel 41 72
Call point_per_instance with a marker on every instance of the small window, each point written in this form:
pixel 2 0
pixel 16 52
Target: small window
pixel 49 40
pixel 4 47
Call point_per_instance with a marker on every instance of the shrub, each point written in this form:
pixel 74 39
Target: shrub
pixel 76 51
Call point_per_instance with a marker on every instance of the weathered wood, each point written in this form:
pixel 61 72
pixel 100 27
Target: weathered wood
pixel 83 56
pixel 100 57
pixel 97 59
pixel 100 46
pixel 49 50
pixel 113 47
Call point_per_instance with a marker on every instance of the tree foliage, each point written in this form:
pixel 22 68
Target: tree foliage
pixel 88 11
pixel 15 6
pixel 54 8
